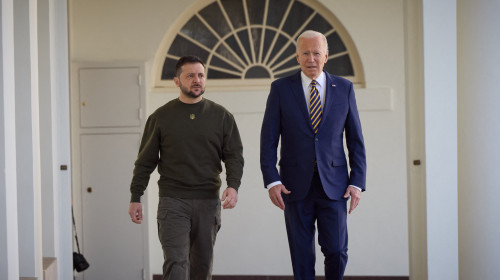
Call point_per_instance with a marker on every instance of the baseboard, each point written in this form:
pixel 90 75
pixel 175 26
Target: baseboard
pixel 49 268
pixel 264 277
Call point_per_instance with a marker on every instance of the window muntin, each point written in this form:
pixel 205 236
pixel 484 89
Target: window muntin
pixel 256 39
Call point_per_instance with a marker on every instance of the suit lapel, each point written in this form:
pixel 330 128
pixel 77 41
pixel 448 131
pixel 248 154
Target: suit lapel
pixel 330 92
pixel 298 93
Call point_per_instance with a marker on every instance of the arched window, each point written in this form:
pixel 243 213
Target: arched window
pixel 255 40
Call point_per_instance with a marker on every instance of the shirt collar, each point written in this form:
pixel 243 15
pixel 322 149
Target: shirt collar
pixel 306 81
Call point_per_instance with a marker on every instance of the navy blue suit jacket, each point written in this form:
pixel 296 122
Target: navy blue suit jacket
pixel 287 117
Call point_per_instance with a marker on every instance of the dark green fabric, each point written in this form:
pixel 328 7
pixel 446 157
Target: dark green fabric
pixel 187 229
pixel 188 142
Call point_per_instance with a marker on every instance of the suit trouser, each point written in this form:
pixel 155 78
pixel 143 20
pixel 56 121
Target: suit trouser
pixel 187 229
pixel 331 219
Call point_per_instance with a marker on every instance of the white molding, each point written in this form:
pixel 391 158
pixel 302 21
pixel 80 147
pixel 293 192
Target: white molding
pixel 252 99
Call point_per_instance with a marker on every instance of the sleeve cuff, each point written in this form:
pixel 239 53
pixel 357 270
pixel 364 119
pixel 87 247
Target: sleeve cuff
pixel 135 198
pixel 357 188
pixel 273 184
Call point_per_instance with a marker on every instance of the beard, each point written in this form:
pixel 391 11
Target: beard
pixel 190 93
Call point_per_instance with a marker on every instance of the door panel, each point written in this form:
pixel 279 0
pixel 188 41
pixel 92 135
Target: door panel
pixel 110 97
pixel 112 244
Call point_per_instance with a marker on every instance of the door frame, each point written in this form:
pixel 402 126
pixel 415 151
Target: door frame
pixel 415 140
pixel 76 132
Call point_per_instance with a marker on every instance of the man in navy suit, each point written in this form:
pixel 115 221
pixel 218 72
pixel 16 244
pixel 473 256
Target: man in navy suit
pixel 312 111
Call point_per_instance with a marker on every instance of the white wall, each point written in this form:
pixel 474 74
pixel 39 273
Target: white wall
pixel 376 28
pixel 253 239
pixel 440 115
pixel 479 134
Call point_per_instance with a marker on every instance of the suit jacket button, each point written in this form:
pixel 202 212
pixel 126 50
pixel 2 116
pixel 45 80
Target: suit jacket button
pixel 316 139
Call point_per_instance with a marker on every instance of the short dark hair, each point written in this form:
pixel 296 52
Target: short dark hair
pixel 186 59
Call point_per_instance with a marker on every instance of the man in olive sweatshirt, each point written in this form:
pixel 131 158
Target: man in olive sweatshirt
pixel 187 139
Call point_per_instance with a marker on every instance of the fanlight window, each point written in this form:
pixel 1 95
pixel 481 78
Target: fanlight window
pixel 256 39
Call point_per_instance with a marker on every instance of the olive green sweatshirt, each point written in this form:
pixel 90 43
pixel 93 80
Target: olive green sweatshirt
pixel 188 142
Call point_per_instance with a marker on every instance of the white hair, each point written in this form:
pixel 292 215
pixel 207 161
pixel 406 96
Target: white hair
pixel 311 34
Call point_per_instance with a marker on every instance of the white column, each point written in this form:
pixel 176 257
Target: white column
pixel 61 144
pixel 9 252
pixel 28 138
pixel 440 103
pixel 54 134
pixel 479 138
pixel 49 193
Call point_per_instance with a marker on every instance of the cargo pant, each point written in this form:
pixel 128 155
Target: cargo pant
pixel 187 229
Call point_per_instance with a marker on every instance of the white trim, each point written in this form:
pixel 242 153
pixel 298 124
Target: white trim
pixel 59 57
pixel 28 140
pixel 77 131
pixel 9 242
pixel 245 99
pixel 415 130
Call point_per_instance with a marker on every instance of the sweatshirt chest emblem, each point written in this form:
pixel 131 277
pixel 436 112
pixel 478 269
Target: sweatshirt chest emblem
pixel 192 116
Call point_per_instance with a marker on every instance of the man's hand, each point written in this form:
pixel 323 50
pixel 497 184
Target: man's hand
pixel 355 195
pixel 135 212
pixel 275 195
pixel 230 198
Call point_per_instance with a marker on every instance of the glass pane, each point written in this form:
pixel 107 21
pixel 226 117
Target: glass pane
pixel 195 29
pixel 243 36
pixel 214 17
pixel 234 9
pixel 231 41
pixel 318 23
pixel 215 61
pixel 280 43
pixel 168 71
pixel 298 15
pixel 256 11
pixel 340 66
pixel 181 47
pixel 256 38
pixel 288 64
pixel 335 44
pixel 222 50
pixel 268 38
pixel 285 55
pixel 275 12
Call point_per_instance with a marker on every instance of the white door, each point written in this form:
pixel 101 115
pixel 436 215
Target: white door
pixel 112 244
pixel 109 126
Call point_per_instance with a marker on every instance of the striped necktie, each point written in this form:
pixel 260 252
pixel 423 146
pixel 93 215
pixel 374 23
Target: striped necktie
pixel 315 106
